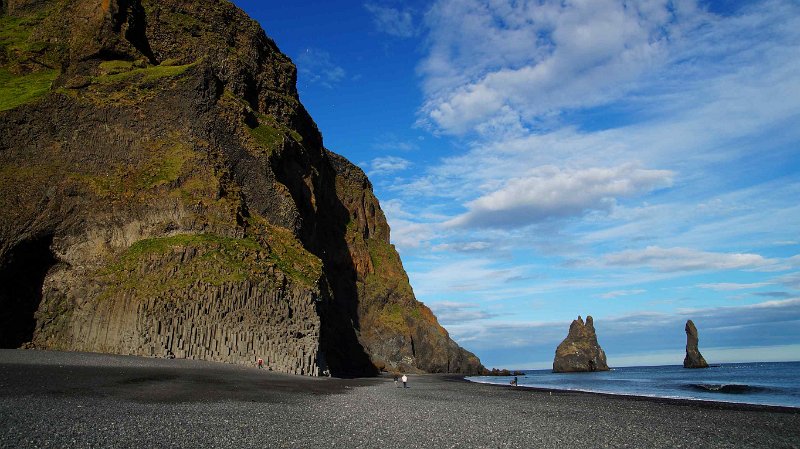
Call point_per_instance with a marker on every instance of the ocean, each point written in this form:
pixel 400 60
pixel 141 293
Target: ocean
pixel 773 383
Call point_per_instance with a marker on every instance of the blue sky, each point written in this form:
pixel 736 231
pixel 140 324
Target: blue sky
pixel 538 160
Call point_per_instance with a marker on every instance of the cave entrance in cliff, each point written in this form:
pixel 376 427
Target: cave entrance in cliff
pixel 21 281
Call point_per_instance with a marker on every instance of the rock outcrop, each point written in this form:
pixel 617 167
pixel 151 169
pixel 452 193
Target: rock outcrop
pixel 693 357
pixel 580 351
pixel 162 189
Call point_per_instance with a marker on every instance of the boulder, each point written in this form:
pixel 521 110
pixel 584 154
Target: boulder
pixel 693 357
pixel 580 352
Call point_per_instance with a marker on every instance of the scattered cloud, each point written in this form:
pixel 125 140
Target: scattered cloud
pixel 317 67
pixel 731 286
pixel 457 312
pixel 791 280
pixel 526 60
pixel 398 22
pixel 618 293
pixel 472 276
pixel 462 247
pixel 549 192
pixel 387 164
pixel 775 295
pixel 685 259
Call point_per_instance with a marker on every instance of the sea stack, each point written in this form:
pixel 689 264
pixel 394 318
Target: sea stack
pixel 580 352
pixel 693 357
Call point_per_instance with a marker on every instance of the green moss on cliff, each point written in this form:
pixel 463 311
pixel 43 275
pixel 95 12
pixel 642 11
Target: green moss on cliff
pixel 16 90
pixel 286 251
pixel 389 273
pixel 271 134
pixel 116 72
pixel 164 164
pixel 267 137
pixel 151 267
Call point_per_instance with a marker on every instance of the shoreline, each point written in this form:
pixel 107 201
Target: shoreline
pixel 99 400
pixel 717 404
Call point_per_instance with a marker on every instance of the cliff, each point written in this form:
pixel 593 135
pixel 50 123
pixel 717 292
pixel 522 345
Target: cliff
pixel 580 350
pixel 163 189
pixel 693 357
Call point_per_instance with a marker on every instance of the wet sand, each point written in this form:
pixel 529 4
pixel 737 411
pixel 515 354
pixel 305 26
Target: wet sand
pixel 92 400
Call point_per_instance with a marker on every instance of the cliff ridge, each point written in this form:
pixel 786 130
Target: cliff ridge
pixel 162 189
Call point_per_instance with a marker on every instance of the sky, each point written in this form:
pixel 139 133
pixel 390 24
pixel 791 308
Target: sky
pixel 638 162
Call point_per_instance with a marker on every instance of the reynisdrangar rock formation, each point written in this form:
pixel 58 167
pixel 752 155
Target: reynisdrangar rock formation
pixel 693 357
pixel 163 189
pixel 580 351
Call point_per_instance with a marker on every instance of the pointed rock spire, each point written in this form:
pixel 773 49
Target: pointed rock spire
pixel 693 357
pixel 580 350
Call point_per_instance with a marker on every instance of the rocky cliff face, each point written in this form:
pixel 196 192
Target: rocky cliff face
pixel 163 189
pixel 580 350
pixel 693 357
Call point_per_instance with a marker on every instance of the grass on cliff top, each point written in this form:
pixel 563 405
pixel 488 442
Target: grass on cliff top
pixel 17 90
pixel 268 132
pixel 286 251
pixel 267 137
pixel 17 39
pixel 161 245
pixel 124 71
pixel 218 260
pixel 165 162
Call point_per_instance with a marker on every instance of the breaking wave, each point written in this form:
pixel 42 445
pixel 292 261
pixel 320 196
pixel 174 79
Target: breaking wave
pixel 726 388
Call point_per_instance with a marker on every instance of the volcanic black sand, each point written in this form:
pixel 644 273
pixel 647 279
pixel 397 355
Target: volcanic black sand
pixel 52 399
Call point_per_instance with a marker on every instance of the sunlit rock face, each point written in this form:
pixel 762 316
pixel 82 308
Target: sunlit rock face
pixel 693 357
pixel 580 351
pixel 164 191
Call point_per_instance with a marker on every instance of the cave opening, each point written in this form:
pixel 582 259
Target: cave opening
pixel 22 277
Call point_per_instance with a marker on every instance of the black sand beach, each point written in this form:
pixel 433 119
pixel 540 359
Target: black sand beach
pixel 51 399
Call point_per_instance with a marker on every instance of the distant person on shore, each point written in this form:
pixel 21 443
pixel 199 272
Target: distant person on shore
pixel 396 378
pixel 514 382
pixel 404 379
pixel 260 363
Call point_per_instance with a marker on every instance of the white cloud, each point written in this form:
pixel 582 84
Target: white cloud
pixel 550 192
pixel 618 293
pixel 387 164
pixel 791 280
pixel 685 259
pixel 536 58
pixel 462 247
pixel 466 277
pixel 393 21
pixel 732 286
pixel 458 312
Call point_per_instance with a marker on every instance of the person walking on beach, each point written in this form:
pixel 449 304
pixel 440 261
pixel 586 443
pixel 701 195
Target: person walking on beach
pixel 404 379
pixel 260 363
pixel 395 380
pixel 514 382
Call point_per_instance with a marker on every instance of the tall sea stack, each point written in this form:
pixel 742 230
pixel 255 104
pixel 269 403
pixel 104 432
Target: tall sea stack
pixel 580 351
pixel 162 189
pixel 693 357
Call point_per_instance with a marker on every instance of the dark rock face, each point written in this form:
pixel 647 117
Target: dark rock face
pixel 580 351
pixel 178 197
pixel 693 357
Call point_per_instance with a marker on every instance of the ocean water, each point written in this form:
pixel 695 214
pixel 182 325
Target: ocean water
pixel 774 383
